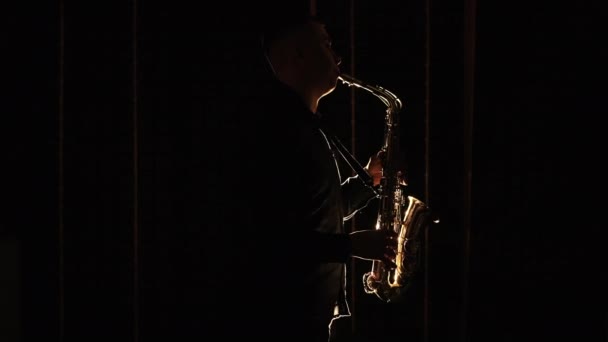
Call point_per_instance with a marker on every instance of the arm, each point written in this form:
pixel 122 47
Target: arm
pixel 357 195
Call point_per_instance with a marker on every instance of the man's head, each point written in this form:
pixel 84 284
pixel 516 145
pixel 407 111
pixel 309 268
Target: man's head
pixel 300 53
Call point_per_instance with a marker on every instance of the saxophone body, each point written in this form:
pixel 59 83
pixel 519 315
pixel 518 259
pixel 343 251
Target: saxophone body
pixel 399 212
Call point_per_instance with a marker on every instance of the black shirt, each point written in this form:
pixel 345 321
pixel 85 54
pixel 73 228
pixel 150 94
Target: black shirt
pixel 290 203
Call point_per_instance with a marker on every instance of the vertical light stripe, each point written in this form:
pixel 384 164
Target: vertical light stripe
pixel 469 107
pixel 135 175
pixel 60 172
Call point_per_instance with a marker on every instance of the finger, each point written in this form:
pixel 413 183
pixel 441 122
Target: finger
pixel 391 236
pixel 390 253
pixel 388 262
pixel 390 232
pixel 392 246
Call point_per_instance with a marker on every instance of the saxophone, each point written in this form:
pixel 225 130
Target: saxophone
pixel 405 215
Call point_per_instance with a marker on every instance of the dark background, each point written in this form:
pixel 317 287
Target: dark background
pixel 111 125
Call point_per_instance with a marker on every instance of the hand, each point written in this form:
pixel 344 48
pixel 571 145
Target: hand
pixel 376 244
pixel 374 167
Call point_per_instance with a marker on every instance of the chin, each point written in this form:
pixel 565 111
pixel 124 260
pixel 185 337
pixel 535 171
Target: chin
pixel 332 87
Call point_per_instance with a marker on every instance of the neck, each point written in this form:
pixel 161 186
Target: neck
pixel 310 101
pixel 306 95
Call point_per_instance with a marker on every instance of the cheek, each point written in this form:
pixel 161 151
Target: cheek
pixel 331 58
pixel 323 61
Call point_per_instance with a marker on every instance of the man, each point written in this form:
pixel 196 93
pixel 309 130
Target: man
pixel 283 272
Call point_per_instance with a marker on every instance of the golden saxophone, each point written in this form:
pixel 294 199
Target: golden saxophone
pixel 405 215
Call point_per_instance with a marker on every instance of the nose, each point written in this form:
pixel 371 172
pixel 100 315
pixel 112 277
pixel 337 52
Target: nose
pixel 337 58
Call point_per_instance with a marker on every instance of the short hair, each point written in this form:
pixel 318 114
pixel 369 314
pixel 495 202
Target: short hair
pixel 274 29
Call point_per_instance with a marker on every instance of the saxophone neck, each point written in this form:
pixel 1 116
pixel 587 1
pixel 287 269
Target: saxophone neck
pixel 389 99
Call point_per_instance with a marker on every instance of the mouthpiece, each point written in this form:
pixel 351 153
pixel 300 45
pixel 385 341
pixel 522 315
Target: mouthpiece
pixel 349 80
